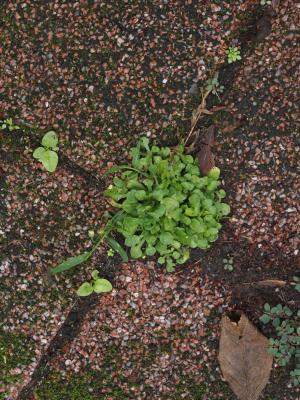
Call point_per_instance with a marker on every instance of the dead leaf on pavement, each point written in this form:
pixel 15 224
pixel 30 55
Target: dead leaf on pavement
pixel 271 282
pixel 243 358
pixel 205 156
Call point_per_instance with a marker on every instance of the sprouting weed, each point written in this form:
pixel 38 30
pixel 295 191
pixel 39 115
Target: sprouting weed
pixel 233 54
pixel 228 264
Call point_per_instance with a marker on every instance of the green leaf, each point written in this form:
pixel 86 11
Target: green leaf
pixel 276 322
pixel 197 226
pixel 170 265
pixel 224 208
pixel 150 250
pixel 136 252
pixel 132 240
pixel 267 307
pixel 95 274
pixel 102 286
pixel 161 260
pixel 145 143
pixel 117 168
pixel 118 248
pixel 85 289
pixel 166 238
pixel 158 212
pixel 170 203
pixel 50 140
pixel 71 262
pixel 265 318
pixel 39 153
pixel 49 160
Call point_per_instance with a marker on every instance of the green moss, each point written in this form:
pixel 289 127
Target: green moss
pixel 88 386
pixel 15 350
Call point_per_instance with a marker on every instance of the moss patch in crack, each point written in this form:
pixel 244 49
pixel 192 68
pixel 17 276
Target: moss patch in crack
pixel 15 350
pixel 90 385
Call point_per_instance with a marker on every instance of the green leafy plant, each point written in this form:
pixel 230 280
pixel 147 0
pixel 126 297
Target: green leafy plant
pixel 46 153
pixel 228 264
pixel 287 344
pixel 9 124
pixel 97 285
pixel 168 207
pixel 213 86
pixel 233 54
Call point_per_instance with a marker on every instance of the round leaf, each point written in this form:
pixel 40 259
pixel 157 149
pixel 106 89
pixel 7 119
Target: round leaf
pixel 85 289
pixel 50 140
pixel 50 160
pixel 102 286
pixel 136 252
pixel 39 153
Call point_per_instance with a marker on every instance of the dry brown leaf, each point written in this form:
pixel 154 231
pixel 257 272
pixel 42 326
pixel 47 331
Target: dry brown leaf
pixel 243 358
pixel 271 282
pixel 206 159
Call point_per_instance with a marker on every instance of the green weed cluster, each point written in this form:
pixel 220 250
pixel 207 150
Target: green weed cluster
pixel 166 206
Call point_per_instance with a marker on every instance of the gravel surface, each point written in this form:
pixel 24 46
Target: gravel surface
pixel 102 74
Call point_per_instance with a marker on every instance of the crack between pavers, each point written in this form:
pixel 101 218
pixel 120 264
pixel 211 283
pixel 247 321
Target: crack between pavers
pixel 65 335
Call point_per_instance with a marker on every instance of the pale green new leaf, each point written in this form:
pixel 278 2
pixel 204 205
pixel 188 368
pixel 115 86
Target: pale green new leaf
pixel 49 160
pixel 39 153
pixel 102 286
pixel 50 140
pixel 85 289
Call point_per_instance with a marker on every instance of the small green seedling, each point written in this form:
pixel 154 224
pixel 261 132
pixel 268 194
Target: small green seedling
pixel 264 2
pixel 296 283
pixel 8 124
pixel 97 285
pixel 110 253
pixel 47 153
pixel 287 343
pixel 233 54
pixel 214 86
pixel 228 264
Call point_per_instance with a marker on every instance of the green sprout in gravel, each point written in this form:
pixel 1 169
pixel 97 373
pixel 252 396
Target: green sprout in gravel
pixel 264 2
pixel 287 344
pixel 47 153
pixel 110 253
pixel 166 206
pixel 228 264
pixel 97 285
pixel 233 54
pixel 9 124
pixel 213 86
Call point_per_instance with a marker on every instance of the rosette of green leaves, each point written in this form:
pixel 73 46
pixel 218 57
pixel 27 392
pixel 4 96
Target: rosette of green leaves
pixel 168 207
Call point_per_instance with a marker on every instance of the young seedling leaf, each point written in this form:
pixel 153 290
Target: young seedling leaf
pixel 49 160
pixel 71 262
pixel 85 289
pixel 39 153
pixel 50 140
pixel 118 248
pixel 102 286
